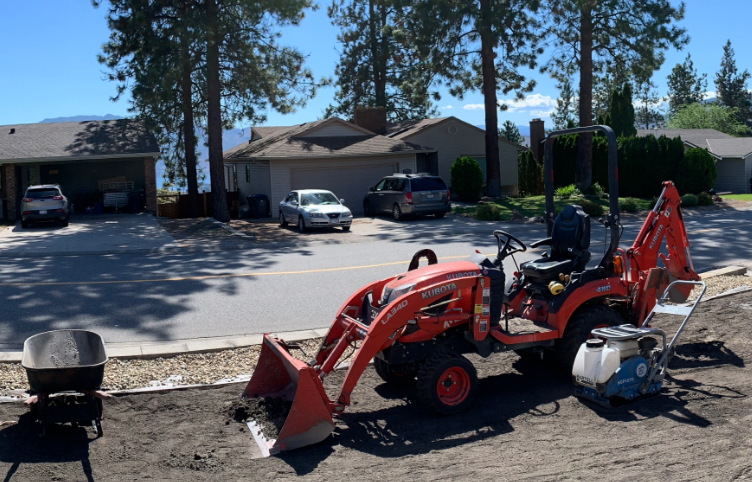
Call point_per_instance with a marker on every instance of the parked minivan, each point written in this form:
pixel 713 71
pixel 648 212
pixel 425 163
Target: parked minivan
pixel 405 194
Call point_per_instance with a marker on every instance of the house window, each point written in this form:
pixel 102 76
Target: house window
pixel 481 160
pixel 247 173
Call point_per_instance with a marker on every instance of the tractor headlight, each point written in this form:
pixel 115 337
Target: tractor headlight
pixel 316 214
pixel 399 291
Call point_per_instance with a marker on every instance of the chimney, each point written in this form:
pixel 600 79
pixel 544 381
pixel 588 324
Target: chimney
pixel 371 118
pixel 13 130
pixel 537 134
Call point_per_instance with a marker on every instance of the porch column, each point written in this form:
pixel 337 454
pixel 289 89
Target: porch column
pixel 150 188
pixel 9 176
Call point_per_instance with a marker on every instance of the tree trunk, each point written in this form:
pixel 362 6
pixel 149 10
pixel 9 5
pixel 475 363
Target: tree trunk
pixel 379 81
pixel 189 133
pixel 584 170
pixel 214 116
pixel 488 70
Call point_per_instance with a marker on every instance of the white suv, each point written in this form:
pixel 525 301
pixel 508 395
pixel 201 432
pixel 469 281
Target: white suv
pixel 44 203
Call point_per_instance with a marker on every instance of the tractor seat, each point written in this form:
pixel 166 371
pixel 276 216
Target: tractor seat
pixel 569 241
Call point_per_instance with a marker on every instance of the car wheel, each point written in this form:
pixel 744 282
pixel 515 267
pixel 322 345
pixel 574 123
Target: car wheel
pixel 367 209
pixel 301 224
pixel 345 228
pixel 396 212
pixel 439 215
pixel 64 223
pixel 25 224
pixel 282 221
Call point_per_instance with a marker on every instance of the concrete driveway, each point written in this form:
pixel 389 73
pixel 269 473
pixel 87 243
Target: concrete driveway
pixel 87 234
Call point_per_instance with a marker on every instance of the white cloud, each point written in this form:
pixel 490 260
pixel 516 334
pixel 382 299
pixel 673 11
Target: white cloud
pixel 541 113
pixel 532 100
pixel 447 107
pixel 709 95
pixel 474 107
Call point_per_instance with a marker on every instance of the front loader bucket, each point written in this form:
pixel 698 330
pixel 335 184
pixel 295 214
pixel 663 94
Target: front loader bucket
pixel 278 374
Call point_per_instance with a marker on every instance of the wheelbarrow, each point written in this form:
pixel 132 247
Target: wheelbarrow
pixel 65 369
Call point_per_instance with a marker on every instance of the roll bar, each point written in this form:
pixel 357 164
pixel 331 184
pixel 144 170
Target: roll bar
pixel 613 184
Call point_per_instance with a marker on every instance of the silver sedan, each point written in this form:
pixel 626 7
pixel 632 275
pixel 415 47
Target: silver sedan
pixel 314 208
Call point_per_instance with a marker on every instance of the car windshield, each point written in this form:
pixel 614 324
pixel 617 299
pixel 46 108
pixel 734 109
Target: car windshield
pixel 427 184
pixel 41 193
pixel 314 198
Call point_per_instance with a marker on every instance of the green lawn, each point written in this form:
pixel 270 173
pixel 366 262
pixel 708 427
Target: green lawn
pixel 738 197
pixel 535 205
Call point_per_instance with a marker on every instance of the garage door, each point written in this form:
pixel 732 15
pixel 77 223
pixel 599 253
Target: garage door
pixel 349 183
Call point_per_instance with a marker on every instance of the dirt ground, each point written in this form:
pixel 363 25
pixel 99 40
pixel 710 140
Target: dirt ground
pixel 525 425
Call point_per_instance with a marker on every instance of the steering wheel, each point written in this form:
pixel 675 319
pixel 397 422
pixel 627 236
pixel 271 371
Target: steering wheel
pixel 510 246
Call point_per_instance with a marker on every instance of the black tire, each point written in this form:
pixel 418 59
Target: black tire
pixel 439 215
pixel 25 224
pixel 64 223
pixel 282 221
pixel 578 329
pixel 397 375
pixel 301 224
pixel 396 212
pixel 449 370
pixel 345 228
pixel 367 209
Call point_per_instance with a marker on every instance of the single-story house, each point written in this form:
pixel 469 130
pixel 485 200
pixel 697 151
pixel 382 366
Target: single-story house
pixel 349 157
pixel 453 138
pixel 82 157
pixel 733 155
pixel 330 154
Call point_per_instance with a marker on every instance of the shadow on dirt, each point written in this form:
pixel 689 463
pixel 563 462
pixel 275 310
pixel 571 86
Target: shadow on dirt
pixel 20 444
pixel 704 355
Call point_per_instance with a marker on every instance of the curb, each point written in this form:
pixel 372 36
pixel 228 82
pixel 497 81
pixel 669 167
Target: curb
pixel 34 254
pixel 727 271
pixel 151 350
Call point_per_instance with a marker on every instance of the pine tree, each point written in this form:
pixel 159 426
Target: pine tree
pixel 477 45
pixel 647 115
pixel 731 87
pixel 586 33
pixel 622 113
pixel 510 132
pixel 376 66
pixel 564 111
pixel 685 86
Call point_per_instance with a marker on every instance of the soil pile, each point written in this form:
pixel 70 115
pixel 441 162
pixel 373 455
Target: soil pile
pixel 268 413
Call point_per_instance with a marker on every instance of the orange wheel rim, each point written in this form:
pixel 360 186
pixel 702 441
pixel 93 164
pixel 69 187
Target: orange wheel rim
pixel 453 386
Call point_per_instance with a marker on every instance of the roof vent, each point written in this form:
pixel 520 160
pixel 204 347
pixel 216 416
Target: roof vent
pixel 13 130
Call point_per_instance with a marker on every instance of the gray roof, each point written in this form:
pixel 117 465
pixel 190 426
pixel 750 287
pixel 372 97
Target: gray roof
pixel 406 129
pixel 71 140
pixel 289 142
pixel 696 137
pixel 736 147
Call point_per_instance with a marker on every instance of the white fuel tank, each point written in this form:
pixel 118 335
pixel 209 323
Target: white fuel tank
pixel 595 363
pixel 626 348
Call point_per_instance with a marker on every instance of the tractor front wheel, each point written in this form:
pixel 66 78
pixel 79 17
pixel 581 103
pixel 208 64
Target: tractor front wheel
pixel 396 374
pixel 447 383
pixel 578 329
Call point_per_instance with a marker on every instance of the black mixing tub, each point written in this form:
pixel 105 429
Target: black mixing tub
pixel 65 369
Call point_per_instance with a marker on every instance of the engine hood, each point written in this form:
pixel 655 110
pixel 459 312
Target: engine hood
pixel 431 274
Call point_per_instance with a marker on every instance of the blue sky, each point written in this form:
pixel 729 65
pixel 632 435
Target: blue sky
pixel 48 64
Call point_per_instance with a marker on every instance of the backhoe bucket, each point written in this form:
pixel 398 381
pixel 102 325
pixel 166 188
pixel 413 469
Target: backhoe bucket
pixel 278 374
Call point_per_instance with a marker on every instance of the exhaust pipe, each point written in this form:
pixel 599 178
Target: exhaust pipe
pixel 279 374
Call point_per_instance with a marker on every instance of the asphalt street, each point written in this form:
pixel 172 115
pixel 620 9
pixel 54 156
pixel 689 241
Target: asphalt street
pixel 273 288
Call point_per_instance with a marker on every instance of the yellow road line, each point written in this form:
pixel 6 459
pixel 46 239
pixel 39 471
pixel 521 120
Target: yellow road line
pixel 247 275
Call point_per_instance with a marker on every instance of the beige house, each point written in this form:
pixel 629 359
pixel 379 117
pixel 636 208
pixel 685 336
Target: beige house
pixel 453 138
pixel 347 158
pixel 330 154
pixel 733 155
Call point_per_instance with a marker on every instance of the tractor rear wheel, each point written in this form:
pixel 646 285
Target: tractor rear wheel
pixel 447 383
pixel 396 374
pixel 578 329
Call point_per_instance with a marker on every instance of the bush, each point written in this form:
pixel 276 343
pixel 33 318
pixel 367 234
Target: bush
pixel 466 179
pixel 690 200
pixel 591 208
pixel 705 199
pixel 487 212
pixel 529 175
pixel 628 205
pixel 567 191
pixel 696 172
pixel 595 189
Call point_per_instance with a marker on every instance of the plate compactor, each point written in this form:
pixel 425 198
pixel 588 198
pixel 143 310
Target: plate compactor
pixel 417 326
pixel 626 363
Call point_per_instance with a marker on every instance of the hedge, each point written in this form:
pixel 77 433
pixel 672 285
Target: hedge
pixel 529 174
pixel 466 179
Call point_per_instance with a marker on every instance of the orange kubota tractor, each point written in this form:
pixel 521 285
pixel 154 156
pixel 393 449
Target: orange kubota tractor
pixel 420 323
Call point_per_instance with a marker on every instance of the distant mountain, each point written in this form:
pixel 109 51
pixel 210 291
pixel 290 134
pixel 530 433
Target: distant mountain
pixel 81 118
